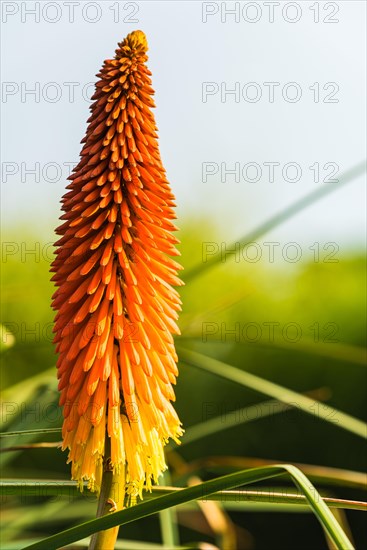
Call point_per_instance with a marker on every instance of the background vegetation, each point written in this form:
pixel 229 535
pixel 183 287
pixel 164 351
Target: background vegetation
pixel 317 309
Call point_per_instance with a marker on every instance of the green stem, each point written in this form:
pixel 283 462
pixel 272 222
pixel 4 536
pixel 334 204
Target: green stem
pixel 111 499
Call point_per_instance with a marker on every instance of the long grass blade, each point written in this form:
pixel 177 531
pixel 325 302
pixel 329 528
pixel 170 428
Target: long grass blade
pixel 227 464
pixel 168 521
pixel 120 545
pixel 38 431
pixel 239 417
pixel 69 489
pixel 347 353
pixel 282 394
pixel 281 217
pixel 204 490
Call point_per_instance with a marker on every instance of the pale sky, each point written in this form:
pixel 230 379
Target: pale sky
pixel 197 53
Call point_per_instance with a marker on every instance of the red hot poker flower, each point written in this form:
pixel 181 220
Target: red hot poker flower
pixel 116 309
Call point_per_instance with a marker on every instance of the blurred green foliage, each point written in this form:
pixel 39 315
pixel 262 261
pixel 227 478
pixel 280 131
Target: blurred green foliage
pixel 301 325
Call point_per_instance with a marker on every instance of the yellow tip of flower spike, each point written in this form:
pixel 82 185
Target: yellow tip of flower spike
pixel 137 40
pixel 116 308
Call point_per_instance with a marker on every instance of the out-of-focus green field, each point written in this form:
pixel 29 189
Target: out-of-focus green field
pixel 300 325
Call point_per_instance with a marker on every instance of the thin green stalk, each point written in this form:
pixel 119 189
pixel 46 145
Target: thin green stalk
pixel 281 217
pixel 111 499
pixel 168 520
pixel 37 431
pixel 10 488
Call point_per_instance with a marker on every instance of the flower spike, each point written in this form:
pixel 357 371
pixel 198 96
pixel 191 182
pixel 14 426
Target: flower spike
pixel 116 308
